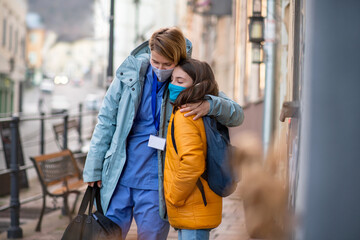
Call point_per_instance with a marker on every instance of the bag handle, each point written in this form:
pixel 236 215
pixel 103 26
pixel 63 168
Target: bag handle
pixel 97 199
pixel 91 204
pixel 91 193
pixel 85 201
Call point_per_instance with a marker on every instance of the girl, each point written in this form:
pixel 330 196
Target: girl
pixel 191 81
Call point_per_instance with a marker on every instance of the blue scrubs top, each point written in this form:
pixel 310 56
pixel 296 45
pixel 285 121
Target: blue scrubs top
pixel 141 168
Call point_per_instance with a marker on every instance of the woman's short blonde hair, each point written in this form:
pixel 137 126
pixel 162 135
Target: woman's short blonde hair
pixel 170 43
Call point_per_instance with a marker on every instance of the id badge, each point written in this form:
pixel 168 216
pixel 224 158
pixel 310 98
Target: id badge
pixel 157 142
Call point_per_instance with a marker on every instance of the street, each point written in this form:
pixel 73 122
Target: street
pixel 30 130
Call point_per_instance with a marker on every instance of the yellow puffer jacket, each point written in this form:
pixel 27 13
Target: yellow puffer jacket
pixel 184 203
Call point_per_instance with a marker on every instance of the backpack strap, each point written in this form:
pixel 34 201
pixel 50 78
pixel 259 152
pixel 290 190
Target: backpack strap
pixel 172 134
pixel 201 188
pixel 198 183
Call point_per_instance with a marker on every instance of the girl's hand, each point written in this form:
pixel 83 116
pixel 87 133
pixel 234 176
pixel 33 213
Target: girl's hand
pixel 198 109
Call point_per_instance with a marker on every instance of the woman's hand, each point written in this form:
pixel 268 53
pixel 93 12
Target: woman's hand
pixel 198 109
pixel 91 184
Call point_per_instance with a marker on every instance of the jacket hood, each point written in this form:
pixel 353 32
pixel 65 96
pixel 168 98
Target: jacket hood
pixel 144 48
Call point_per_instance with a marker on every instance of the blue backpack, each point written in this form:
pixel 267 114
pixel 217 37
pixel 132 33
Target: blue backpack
pixel 219 173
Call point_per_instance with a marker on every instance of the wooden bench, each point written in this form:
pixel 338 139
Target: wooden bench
pixel 59 176
pixel 79 150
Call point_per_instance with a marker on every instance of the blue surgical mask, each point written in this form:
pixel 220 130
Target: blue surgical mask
pixel 162 74
pixel 175 91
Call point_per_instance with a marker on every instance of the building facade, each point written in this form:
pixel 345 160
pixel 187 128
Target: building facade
pixel 71 59
pixel 101 41
pixel 268 88
pixel 12 54
pixel 135 21
pixel 35 40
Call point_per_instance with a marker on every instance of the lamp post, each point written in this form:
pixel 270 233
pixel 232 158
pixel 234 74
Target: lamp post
pixel 256 32
pixel 256 29
pixel 111 45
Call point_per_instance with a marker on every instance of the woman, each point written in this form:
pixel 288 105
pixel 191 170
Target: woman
pixel 122 158
pixel 185 162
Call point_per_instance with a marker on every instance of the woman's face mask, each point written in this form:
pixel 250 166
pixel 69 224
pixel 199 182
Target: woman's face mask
pixel 162 74
pixel 162 66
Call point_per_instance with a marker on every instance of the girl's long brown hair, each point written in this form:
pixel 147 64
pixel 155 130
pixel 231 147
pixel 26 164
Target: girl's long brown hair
pixel 203 82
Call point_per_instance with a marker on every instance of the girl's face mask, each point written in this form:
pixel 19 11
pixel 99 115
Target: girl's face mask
pixel 174 91
pixel 179 82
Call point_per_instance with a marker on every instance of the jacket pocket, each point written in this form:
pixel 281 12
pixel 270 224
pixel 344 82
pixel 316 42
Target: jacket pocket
pixel 107 163
pixel 108 154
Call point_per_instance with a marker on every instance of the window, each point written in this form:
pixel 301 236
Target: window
pixel 32 58
pixel 33 38
pixel 10 37
pixel 16 42
pixel 4 33
pixel 23 47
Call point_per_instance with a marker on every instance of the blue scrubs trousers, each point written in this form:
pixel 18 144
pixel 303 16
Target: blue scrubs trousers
pixel 143 205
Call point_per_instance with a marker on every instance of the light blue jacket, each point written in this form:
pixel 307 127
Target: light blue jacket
pixel 107 155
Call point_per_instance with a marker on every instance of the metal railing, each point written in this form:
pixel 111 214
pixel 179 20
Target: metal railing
pixel 14 231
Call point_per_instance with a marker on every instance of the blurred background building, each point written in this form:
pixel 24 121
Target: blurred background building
pixel 35 40
pixel 261 71
pixel 12 54
pixel 255 47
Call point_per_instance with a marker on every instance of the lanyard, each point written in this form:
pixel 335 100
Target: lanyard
pixel 153 103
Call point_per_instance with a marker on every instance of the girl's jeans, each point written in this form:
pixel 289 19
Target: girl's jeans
pixel 198 234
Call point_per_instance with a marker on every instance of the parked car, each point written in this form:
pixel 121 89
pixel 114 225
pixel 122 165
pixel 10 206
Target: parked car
pixel 93 102
pixel 59 104
pixel 47 86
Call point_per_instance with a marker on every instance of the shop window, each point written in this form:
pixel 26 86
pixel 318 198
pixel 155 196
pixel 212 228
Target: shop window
pixel 6 94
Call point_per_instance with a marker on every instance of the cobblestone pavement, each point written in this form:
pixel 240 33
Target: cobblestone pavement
pixel 54 223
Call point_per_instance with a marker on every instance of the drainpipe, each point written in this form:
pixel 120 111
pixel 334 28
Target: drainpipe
pixel 269 49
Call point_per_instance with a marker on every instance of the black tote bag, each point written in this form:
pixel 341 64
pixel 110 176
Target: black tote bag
pixel 91 226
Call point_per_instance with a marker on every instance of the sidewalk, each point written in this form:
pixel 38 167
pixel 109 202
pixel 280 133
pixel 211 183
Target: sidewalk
pixel 54 223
